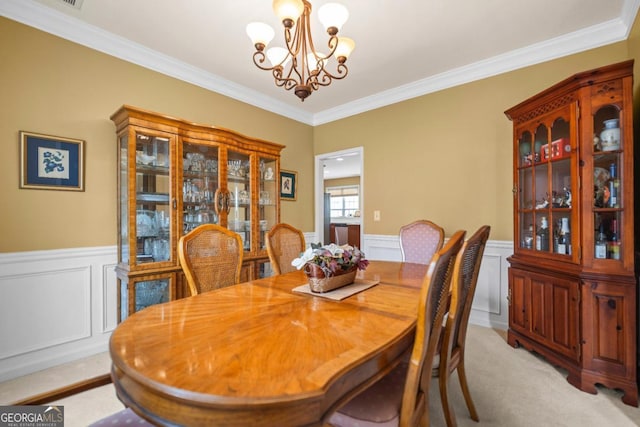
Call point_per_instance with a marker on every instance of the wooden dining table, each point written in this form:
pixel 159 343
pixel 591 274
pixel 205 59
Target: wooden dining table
pixel 260 354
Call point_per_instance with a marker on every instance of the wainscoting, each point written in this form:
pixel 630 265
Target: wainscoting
pixel 56 306
pixel 61 305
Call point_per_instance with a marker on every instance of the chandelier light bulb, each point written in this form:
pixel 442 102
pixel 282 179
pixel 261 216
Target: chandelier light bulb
pixel 333 15
pixel 344 49
pixel 313 62
pixel 278 56
pixel 288 9
pixel 260 34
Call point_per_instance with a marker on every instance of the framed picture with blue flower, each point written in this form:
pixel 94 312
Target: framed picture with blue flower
pixel 51 162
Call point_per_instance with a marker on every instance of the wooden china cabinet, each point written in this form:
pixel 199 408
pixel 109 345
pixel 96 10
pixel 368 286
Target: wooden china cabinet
pixel 174 175
pixel 572 287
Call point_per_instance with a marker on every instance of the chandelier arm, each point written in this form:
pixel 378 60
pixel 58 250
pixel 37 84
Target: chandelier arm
pixel 341 70
pixel 287 82
pixel 293 70
pixel 259 58
pixel 325 78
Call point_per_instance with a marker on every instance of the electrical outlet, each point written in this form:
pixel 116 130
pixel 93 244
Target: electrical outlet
pixel 376 215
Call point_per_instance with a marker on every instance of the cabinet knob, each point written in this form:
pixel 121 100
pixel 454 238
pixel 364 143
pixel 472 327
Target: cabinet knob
pixel 612 304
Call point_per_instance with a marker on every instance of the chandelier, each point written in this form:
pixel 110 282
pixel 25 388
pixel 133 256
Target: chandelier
pixel 300 66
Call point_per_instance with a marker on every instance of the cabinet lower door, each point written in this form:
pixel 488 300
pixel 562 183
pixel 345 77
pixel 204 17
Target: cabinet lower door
pixel 609 328
pixel 141 292
pixel 519 301
pixel 562 300
pixel 546 309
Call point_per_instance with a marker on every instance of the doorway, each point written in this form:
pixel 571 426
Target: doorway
pixel 329 166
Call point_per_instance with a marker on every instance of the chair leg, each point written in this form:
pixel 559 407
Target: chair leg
pixel 449 415
pixel 425 420
pixel 462 376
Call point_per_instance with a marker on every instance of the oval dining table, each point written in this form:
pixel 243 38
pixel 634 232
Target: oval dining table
pixel 260 354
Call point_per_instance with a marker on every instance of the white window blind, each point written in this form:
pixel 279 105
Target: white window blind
pixel 345 201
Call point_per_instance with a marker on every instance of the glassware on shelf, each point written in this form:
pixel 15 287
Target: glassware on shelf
pixel 564 241
pixel 614 185
pixel 160 250
pixel 163 222
pixel 207 193
pixel 601 244
pixel 194 162
pixel 238 168
pixel 614 243
pixel 244 197
pixel 151 292
pixel 542 237
pixel 146 223
pixel 265 198
pixel 527 241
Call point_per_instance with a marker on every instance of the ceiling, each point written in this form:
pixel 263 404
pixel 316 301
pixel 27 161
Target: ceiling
pixel 345 164
pixel 404 48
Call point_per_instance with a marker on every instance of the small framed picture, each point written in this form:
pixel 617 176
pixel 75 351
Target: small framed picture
pixel 51 162
pixel 288 185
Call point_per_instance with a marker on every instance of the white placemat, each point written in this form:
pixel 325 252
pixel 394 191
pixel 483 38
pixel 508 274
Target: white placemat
pixel 358 285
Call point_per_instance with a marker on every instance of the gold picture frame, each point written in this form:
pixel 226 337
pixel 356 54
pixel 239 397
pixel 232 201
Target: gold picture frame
pixel 51 162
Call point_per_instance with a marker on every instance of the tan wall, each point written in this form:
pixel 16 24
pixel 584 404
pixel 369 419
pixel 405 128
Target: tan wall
pixel 56 87
pixel 447 156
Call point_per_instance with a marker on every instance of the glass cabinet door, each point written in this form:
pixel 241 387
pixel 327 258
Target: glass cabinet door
pixel 138 294
pixel 608 203
pixel 152 195
pixel 239 199
pixel 200 185
pixel 545 187
pixel 268 197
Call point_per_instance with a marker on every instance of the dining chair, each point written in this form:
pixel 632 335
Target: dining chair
pixel 211 257
pixel 419 240
pixel 401 397
pixel 284 244
pixel 342 234
pixel 451 356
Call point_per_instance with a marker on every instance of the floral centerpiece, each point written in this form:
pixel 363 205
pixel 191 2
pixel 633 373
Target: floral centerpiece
pixel 330 266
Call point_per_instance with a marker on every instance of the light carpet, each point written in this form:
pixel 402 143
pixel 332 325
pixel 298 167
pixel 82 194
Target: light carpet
pixel 510 387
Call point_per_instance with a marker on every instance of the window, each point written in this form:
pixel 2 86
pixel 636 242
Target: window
pixel 345 201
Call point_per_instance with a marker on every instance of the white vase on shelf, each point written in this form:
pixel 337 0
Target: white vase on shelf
pixel 610 136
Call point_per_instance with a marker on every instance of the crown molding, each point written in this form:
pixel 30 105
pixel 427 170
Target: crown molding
pixel 69 28
pixel 589 38
pixel 51 21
